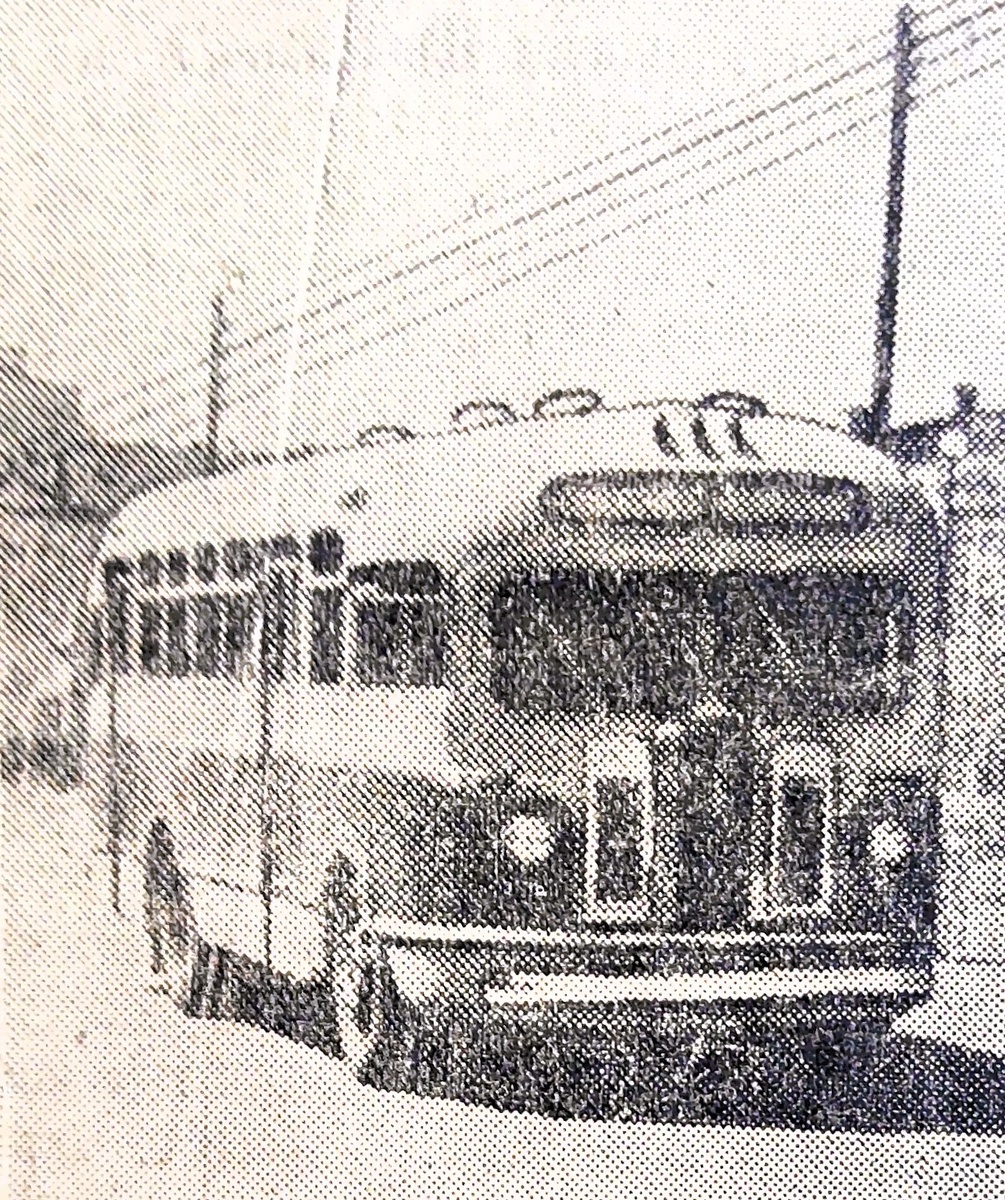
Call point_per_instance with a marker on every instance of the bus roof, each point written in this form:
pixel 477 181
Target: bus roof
pixel 427 495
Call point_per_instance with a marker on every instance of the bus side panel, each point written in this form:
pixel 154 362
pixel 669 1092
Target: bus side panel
pixel 321 813
pixel 189 754
pixel 367 817
pixel 336 749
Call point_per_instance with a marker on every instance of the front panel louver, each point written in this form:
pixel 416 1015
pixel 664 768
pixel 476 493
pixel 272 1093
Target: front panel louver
pixel 619 855
pixel 619 829
pixel 799 830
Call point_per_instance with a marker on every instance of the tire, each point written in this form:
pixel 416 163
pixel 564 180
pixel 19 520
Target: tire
pixel 357 973
pixel 190 971
pixel 365 1008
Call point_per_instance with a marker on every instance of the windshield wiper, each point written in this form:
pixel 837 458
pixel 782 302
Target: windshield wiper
pixel 775 633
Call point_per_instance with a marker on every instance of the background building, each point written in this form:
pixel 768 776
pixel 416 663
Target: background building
pixel 59 487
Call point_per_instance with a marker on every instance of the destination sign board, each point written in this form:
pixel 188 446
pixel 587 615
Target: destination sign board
pixel 739 503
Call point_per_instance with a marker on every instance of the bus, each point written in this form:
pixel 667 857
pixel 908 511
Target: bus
pixel 585 712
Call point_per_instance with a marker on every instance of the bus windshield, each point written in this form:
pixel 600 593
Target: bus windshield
pixel 797 645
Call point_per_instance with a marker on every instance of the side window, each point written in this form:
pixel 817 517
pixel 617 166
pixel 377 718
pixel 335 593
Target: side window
pixel 326 635
pixel 117 598
pixel 205 562
pixel 177 567
pixel 222 634
pixel 238 616
pixel 163 636
pixel 150 570
pixel 241 560
pixel 206 634
pixel 401 625
pixel 176 658
pixel 325 555
pixel 325 552
pixel 151 636
pixel 278 656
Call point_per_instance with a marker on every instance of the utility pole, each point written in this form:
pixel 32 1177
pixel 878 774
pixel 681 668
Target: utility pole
pixel 61 487
pixel 216 356
pixel 876 420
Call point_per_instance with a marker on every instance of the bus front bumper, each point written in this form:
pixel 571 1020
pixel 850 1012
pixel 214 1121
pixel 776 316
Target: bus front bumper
pixel 704 988
pixel 522 973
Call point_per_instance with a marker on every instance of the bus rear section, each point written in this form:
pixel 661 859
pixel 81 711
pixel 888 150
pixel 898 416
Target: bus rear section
pixel 700 722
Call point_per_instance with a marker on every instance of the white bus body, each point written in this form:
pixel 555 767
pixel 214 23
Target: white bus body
pixel 530 833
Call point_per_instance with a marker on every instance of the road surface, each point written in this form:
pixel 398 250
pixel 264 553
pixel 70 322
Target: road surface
pixel 116 1094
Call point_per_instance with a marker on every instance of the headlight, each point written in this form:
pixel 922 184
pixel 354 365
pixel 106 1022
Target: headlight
pixel 529 839
pixel 889 844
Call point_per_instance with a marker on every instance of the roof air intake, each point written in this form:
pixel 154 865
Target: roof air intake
pixel 384 435
pixel 479 413
pixel 734 402
pixel 567 402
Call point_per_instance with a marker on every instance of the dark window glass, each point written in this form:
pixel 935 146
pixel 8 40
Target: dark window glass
pixel 205 563
pixel 151 568
pixel 809 645
pixel 401 642
pixel 177 567
pixel 325 552
pixel 208 634
pixel 410 578
pixel 176 660
pixel 788 646
pixel 150 636
pixel 326 635
pixel 240 559
pixel 238 632
pixel 277 626
pixel 620 861
pixel 116 590
pixel 589 640
pixel 799 843
pixel 116 573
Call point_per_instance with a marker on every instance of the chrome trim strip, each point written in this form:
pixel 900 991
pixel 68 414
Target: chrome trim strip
pixel 418 931
pixel 723 985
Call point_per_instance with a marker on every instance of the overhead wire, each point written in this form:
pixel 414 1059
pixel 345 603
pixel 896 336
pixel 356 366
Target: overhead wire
pixel 638 223
pixel 345 326
pixel 237 370
pixel 526 219
pixel 283 326
pixel 700 194
pixel 684 147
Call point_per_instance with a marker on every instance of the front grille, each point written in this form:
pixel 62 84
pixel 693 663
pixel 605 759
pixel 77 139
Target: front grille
pixel 706 789
pixel 800 829
pixel 619 849
pixel 798 843
pixel 702 835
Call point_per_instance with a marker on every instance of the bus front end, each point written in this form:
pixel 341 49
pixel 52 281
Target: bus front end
pixel 697 715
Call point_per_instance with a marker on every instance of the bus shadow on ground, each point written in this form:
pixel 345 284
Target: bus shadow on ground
pixel 888 1084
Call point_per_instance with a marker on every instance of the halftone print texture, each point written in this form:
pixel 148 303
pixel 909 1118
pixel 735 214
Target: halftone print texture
pixel 504 557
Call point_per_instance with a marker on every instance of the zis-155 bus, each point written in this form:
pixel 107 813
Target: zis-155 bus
pixel 585 712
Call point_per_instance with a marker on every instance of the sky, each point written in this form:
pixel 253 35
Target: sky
pixel 477 201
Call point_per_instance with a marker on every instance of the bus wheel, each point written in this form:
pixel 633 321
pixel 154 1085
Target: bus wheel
pixel 359 978
pixel 190 971
pixel 365 1004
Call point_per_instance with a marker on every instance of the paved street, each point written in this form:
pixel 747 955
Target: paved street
pixel 114 1094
